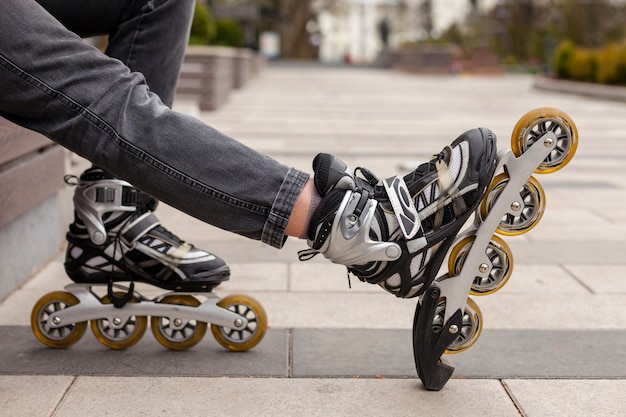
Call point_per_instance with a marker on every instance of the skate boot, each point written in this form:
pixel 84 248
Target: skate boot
pixel 396 233
pixel 115 241
pixel 116 237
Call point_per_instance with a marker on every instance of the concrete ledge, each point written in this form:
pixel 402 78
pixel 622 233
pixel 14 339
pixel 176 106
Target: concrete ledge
pixel 606 92
pixel 28 243
pixel 16 141
pixel 31 174
pixel 210 73
pixel 442 59
pixel 28 181
pixel 437 60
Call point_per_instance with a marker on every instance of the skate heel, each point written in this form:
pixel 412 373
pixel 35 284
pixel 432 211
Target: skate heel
pixel 480 262
pixel 432 342
pixel 178 320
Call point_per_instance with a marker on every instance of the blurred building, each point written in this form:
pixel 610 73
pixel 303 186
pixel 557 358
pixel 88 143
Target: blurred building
pixel 352 30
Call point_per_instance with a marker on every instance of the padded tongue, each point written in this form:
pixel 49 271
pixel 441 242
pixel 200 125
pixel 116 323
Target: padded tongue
pixel 331 173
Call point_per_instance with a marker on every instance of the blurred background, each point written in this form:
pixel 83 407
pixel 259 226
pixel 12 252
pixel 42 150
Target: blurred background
pixel 574 39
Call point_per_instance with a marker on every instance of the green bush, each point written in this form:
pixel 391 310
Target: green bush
pixel 605 65
pixel 562 59
pixel 228 33
pixel 608 61
pixel 584 65
pixel 202 26
pixel 612 65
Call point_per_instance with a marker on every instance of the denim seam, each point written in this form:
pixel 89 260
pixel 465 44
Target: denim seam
pixel 132 43
pixel 124 144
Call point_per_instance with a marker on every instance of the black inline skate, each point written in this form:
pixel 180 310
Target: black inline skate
pixel 116 238
pixel 396 233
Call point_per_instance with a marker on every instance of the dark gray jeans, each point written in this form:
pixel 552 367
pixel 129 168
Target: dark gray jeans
pixel 102 108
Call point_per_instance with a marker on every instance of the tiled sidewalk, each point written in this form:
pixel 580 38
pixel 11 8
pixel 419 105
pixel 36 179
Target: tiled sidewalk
pixel 554 338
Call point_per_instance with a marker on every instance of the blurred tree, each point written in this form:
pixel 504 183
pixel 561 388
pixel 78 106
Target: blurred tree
pixel 202 26
pixel 289 18
pixel 292 26
pixel 426 10
pixel 527 31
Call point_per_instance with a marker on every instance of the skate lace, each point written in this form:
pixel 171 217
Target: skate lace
pixel 366 175
pixel 426 168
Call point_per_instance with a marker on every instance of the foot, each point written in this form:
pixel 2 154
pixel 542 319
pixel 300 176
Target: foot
pixel 396 233
pixel 116 237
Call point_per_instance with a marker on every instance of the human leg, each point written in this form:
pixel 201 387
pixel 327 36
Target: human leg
pixel 148 36
pixel 115 233
pixel 55 84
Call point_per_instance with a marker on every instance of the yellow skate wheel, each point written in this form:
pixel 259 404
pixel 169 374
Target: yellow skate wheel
pixel 248 337
pixel 534 124
pixel 525 213
pixel 178 333
pixel 471 325
pixel 55 337
pixel 500 265
pixel 120 332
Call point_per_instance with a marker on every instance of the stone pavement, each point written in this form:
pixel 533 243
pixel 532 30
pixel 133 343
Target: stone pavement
pixel 554 339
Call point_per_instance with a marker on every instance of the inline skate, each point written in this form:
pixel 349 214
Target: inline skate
pixel 480 262
pixel 396 232
pixel 115 241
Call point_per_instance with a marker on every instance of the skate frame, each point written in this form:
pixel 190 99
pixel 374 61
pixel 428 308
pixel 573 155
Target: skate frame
pixel 90 308
pixel 429 345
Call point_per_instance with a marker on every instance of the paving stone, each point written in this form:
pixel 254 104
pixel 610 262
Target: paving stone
pixel 22 354
pixel 496 354
pixel 281 397
pixel 557 398
pixel 544 354
pixel 32 395
pixel 329 353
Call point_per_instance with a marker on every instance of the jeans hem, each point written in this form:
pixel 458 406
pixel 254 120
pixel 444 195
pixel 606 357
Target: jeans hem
pixel 274 229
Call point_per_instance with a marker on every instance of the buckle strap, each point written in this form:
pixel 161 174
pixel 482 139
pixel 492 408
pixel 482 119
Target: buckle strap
pixel 139 227
pixel 403 206
pixel 105 194
pixel 122 194
pixel 132 196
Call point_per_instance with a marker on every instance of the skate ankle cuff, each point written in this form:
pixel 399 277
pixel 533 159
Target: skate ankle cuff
pixel 93 200
pixel 340 231
pixel 331 173
pixel 139 227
